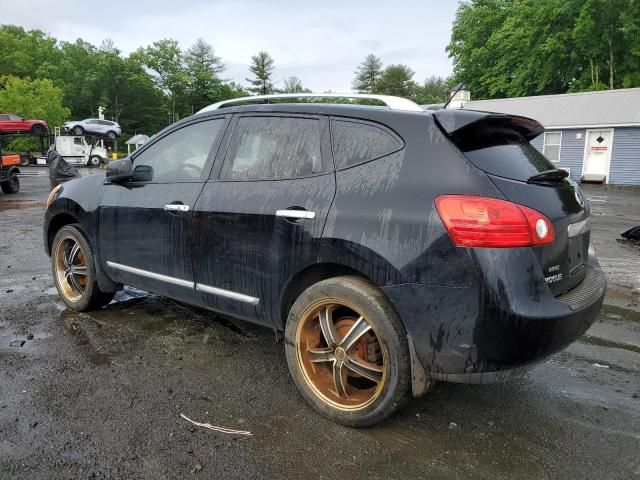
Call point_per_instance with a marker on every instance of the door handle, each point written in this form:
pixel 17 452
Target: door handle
pixel 295 214
pixel 176 207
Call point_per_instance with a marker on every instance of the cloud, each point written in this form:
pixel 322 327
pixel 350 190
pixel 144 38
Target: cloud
pixel 320 42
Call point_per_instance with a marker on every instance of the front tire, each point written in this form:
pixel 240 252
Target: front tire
pixel 347 351
pixel 78 130
pixel 74 274
pixel 95 161
pixel 11 185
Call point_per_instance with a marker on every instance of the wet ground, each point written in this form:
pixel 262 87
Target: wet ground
pixel 99 395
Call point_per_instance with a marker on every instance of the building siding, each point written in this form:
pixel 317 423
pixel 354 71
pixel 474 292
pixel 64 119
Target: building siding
pixel 625 157
pixel 571 150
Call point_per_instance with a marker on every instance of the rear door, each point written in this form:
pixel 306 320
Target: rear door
pixel 260 218
pixel 499 145
pixel 144 237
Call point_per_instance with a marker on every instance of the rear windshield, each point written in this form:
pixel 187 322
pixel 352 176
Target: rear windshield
pixel 500 150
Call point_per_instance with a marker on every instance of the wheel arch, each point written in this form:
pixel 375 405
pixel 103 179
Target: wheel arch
pixel 56 223
pixel 302 280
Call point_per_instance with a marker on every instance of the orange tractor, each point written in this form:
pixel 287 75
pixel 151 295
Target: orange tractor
pixel 9 171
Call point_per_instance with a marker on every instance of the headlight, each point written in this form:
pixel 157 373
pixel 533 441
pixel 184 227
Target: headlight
pixel 57 190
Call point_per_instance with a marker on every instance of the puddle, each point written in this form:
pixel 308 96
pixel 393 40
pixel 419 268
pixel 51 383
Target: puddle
pixel 82 330
pixel 20 205
pixel 601 342
pixel 618 313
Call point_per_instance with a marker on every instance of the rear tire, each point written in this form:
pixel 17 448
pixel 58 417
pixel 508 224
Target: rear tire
pixel 111 135
pixel 74 274
pixel 38 130
pixel 11 185
pixel 347 351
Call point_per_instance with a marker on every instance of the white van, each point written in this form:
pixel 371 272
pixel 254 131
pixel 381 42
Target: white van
pixel 76 151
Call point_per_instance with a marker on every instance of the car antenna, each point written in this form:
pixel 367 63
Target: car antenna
pixel 458 87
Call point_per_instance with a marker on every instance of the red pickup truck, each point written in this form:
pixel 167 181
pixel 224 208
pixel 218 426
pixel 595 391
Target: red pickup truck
pixel 10 123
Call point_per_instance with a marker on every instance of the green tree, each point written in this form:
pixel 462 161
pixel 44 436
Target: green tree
pixel 510 48
pixel 262 66
pixel 433 90
pixel 367 74
pixel 294 85
pixel 33 99
pixel 167 62
pixel 396 80
pixel 203 69
pixel 26 53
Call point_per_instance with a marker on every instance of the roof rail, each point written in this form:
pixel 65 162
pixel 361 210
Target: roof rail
pixel 394 103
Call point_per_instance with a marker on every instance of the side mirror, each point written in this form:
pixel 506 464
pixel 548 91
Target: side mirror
pixel 142 173
pixel 119 170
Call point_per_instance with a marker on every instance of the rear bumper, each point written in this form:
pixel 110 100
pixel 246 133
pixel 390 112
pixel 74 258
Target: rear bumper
pixel 481 334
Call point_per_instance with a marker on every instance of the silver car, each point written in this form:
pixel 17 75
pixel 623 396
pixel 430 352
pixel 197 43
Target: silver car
pixel 93 126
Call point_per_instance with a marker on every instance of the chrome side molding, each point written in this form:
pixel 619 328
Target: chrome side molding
pixel 227 293
pixel 152 275
pixel 185 283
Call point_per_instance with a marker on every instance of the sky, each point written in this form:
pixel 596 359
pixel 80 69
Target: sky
pixel 322 43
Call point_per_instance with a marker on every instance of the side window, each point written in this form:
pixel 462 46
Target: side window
pixel 4 117
pixel 15 118
pixel 273 147
pixel 357 142
pixel 77 140
pixel 181 155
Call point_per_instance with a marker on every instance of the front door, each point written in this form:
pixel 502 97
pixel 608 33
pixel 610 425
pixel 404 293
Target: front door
pixel 598 153
pixel 261 220
pixel 143 229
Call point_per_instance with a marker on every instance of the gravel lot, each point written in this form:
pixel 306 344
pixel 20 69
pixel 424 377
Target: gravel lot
pixel 99 395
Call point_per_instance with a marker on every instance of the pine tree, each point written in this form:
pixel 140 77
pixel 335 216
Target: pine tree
pixel 203 67
pixel 367 74
pixel 262 67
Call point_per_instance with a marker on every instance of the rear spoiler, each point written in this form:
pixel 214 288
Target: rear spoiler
pixel 455 120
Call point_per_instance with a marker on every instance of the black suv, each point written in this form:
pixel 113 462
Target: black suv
pixel 393 247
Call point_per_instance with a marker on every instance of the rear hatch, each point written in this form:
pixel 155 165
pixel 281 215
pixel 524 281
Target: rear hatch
pixel 499 145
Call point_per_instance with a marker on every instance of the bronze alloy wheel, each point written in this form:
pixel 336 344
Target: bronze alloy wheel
pixel 340 355
pixel 70 268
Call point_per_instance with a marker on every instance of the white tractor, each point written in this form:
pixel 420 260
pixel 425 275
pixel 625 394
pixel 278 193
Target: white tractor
pixel 77 151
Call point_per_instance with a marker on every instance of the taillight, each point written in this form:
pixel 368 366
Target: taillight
pixel 489 222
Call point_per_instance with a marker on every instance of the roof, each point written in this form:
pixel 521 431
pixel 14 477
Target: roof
pixel 137 139
pixel 588 109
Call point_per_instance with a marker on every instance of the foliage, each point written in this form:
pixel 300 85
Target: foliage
pixel 167 62
pixel 203 69
pixel 396 80
pixel 262 66
pixel 38 99
pixel 505 48
pixel 367 74
pixel 294 85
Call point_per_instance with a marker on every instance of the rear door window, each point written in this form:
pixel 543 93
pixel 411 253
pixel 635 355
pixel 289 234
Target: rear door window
pixel 355 142
pixel 502 151
pixel 273 148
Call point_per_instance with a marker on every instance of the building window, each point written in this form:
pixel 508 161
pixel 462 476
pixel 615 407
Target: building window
pixel 551 149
